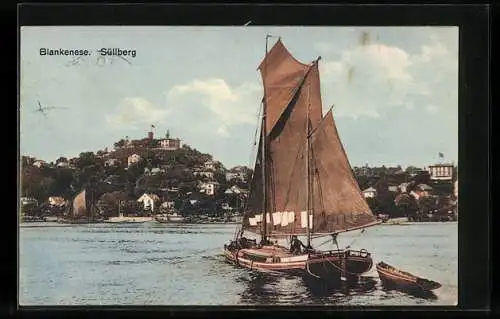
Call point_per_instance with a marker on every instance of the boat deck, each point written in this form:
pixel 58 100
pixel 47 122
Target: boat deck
pixel 268 251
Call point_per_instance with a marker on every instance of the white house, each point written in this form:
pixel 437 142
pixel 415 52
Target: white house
pixel 170 144
pixel 210 165
pixel 62 164
pixel 56 201
pixel 149 201
pixel 442 172
pixel 133 159
pixel 168 205
pixel 209 188
pixel 39 163
pixel 28 201
pixel 403 187
pixel 111 162
pixel 370 192
pixel 233 190
pixel 207 174
pixel 239 175
pixel 392 188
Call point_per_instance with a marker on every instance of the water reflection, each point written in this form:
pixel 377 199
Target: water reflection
pixel 268 288
pixel 420 294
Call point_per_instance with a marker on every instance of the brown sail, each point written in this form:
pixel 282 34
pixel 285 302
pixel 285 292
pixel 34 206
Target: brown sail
pixel 282 75
pixel 294 100
pixel 80 205
pixel 338 204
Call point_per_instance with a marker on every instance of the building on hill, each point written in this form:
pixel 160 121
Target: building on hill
pixel 362 171
pixel 441 172
pixel 133 159
pixel 237 176
pixel 39 163
pixel 421 190
pixel 63 165
pixel 204 173
pixel 209 188
pixel 209 165
pixel 111 162
pixel 233 190
pixel 170 144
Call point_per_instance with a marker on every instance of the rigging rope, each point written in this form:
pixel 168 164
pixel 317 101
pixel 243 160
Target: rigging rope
pixel 254 144
pixel 355 239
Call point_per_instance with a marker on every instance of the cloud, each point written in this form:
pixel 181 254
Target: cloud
pixel 135 110
pixel 370 79
pixel 227 106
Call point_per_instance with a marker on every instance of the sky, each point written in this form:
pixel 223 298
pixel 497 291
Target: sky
pixel 395 90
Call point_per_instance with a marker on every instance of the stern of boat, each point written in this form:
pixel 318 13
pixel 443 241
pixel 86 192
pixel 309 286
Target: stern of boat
pixel 334 264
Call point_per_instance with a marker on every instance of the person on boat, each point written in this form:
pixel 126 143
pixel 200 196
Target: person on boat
pixel 296 245
pixel 265 242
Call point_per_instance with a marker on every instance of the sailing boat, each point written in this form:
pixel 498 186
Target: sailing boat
pixel 83 210
pixel 303 184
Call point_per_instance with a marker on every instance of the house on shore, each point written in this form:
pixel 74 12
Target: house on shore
pixel 370 192
pixel 149 201
pixel 56 201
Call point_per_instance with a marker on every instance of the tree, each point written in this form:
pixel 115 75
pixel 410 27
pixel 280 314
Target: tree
pixel 110 202
pixel 86 159
pixel 426 204
pixel 121 143
pixel 407 205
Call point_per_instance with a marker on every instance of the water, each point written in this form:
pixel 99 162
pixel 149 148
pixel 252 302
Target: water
pixel 159 264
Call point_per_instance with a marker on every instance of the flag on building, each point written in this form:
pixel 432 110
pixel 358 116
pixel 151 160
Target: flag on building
pixel 441 155
pixel 152 126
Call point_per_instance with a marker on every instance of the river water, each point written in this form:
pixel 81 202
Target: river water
pixel 160 264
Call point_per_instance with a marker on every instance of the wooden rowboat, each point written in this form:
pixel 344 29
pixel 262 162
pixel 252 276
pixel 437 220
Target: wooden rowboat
pixel 398 278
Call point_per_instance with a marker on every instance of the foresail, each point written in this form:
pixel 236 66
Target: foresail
pixel 80 205
pixel 338 203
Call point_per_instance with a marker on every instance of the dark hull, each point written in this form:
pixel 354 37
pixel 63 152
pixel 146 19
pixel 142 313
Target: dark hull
pixel 393 278
pixel 323 268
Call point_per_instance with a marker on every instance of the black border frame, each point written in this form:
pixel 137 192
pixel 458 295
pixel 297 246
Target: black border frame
pixel 474 114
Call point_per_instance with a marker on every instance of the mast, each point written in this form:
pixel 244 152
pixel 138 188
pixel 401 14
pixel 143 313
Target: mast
pixel 308 177
pixel 263 157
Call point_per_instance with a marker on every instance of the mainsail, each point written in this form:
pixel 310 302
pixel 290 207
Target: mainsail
pixel 80 205
pixel 293 106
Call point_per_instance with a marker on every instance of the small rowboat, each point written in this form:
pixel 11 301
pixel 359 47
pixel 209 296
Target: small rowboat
pixel 397 278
